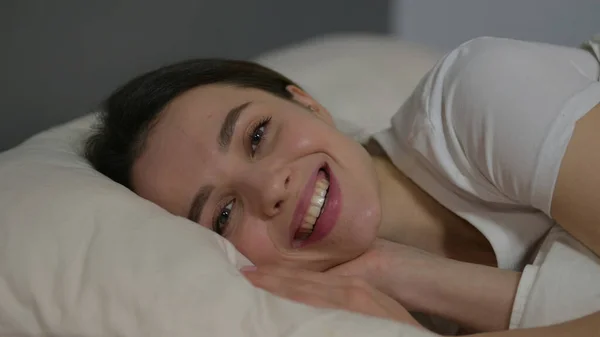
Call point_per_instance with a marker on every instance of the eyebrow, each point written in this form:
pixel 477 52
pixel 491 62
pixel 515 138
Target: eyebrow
pixel 228 126
pixel 224 140
pixel 199 201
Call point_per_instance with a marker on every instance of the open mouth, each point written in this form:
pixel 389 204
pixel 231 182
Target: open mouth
pixel 315 208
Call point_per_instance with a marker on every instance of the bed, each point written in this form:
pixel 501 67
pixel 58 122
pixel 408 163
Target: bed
pixel 82 256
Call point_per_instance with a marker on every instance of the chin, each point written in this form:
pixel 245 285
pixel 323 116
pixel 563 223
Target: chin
pixel 359 237
pixel 367 229
pixel 367 223
pixel 364 238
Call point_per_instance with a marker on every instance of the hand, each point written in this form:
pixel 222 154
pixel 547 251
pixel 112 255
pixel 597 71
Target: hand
pixel 328 291
pixel 390 267
pixel 475 296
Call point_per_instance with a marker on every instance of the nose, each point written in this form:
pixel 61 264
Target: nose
pixel 269 189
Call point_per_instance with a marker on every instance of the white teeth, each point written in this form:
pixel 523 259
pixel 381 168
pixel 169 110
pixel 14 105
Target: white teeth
pixel 316 204
pixel 317 200
pixel 307 225
pixel 309 220
pixel 320 192
pixel 314 210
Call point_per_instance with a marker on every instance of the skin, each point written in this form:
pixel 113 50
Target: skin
pixel 333 291
pixel 476 295
pixel 184 140
pixel 265 186
pixel 267 178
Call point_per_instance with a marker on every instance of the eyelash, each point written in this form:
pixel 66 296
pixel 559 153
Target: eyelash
pixel 262 123
pixel 219 227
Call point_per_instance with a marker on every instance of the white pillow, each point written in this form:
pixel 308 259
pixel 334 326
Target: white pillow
pixel 82 256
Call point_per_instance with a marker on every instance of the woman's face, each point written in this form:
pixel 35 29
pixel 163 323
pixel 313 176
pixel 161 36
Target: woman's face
pixel 272 176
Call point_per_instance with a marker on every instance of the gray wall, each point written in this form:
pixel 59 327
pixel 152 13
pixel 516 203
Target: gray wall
pixel 445 24
pixel 59 58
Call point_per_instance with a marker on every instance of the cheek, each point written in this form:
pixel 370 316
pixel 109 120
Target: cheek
pixel 304 133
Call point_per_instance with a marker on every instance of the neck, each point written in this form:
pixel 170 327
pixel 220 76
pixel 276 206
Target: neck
pixel 411 217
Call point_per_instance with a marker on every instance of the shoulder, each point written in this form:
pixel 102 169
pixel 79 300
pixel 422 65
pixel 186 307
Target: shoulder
pixel 489 70
pixel 485 70
pixel 484 112
pixel 478 72
pixel 470 87
pixel 500 90
pixel 449 115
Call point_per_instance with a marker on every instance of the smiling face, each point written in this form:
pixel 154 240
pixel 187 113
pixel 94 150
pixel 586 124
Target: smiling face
pixel 271 175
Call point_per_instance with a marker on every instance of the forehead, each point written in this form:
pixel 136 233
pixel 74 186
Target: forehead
pixel 191 121
pixel 184 140
pixel 208 102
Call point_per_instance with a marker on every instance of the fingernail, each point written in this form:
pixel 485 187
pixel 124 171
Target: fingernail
pixel 247 269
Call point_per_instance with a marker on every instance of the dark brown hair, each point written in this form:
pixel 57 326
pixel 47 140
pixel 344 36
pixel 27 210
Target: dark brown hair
pixel 128 114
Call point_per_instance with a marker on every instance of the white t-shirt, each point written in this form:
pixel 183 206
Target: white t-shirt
pixel 485 131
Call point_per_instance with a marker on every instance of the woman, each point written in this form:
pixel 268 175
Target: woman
pixel 493 146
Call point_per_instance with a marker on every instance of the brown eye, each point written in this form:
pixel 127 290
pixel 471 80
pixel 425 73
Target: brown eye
pixel 256 138
pixel 222 219
pixel 257 135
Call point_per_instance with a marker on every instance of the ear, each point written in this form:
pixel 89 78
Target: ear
pixel 304 99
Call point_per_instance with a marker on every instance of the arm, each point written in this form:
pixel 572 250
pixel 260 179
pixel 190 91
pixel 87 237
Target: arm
pixel 586 327
pixel 575 202
pixel 514 112
pixel 528 120
pixel 475 296
pixel 513 107
pixel 575 207
pixel 481 298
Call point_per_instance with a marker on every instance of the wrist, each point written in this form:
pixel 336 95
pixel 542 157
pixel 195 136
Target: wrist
pixel 475 296
pixel 411 280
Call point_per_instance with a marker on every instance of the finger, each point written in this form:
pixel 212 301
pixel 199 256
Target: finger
pixel 337 290
pixel 308 292
pixel 360 299
pixel 300 274
pixel 307 279
pixel 274 279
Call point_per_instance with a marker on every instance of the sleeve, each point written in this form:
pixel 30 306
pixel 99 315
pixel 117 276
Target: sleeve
pixel 561 285
pixel 528 277
pixel 512 107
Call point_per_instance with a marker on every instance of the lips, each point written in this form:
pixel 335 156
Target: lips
pixel 328 218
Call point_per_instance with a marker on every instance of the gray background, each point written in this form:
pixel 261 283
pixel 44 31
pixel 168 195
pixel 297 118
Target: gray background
pixel 59 58
pixel 445 24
